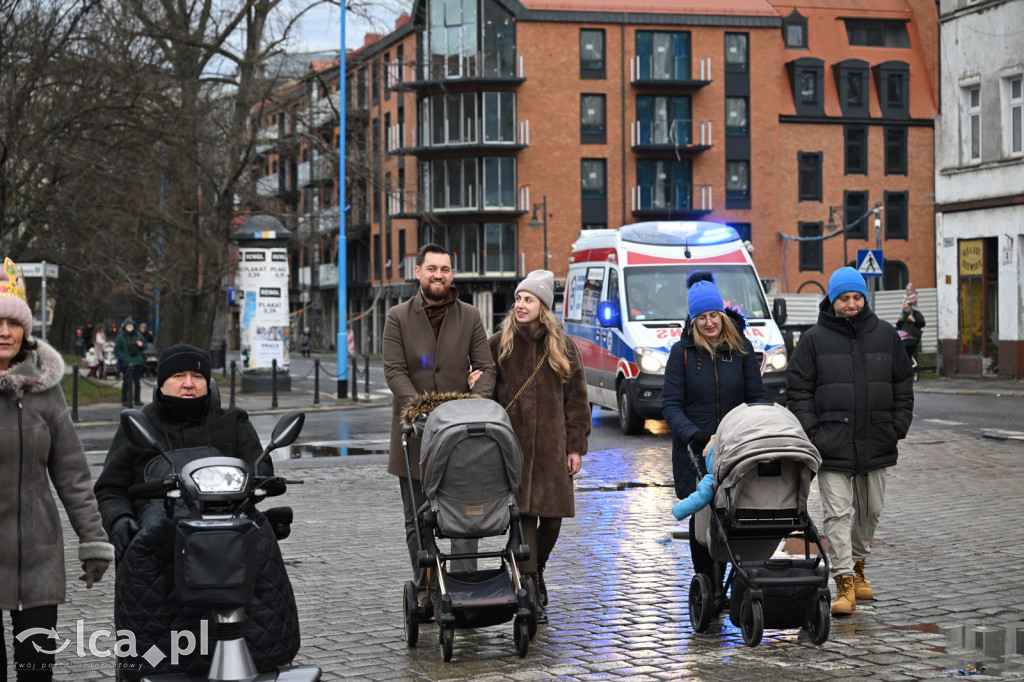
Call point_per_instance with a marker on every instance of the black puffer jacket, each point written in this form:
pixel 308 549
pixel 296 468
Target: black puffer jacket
pixel 699 391
pixel 144 588
pixel 851 385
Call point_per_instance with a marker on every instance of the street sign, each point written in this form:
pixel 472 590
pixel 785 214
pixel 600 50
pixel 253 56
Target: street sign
pixel 38 270
pixel 869 262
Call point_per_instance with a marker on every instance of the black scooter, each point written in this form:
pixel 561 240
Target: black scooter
pixel 214 563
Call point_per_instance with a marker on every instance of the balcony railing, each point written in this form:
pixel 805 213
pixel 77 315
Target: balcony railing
pixel 679 69
pixel 696 198
pixel 675 133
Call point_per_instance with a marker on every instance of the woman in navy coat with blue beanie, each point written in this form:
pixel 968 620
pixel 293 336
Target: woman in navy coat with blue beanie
pixel 711 370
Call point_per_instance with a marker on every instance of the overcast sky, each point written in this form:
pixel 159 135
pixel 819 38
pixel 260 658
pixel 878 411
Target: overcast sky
pixel 321 27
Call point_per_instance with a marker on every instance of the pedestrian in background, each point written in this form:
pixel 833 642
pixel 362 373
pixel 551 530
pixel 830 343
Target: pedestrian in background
pixel 305 343
pixel 128 347
pixel 431 342
pixel 911 323
pixel 542 386
pixel 850 383
pixel 38 447
pixel 710 370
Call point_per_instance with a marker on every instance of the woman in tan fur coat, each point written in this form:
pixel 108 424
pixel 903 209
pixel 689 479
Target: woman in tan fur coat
pixel 550 414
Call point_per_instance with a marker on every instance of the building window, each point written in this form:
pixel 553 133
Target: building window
pixel 855 206
pixel 807 78
pixel 451 184
pixel 451 38
pixel 971 122
pixel 499 36
pixel 500 248
pixel 592 119
pixel 737 184
pixel 893 80
pixel 742 229
pixel 896 215
pixel 499 117
pixel 375 82
pixel 855 88
pixel 736 120
pixel 895 150
pixel 500 182
pixel 592 53
pixel 663 56
pixel 808 87
pixel 856 150
pixel 664 183
pixel 877 33
pixel 811 250
pixel 794 30
pixel 593 179
pixel 736 55
pixel 663 120
pixel 448 119
pixel 809 165
pixel 1013 116
pixel 387 67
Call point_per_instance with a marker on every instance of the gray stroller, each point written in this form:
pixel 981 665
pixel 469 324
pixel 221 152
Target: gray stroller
pixel 763 467
pixel 470 467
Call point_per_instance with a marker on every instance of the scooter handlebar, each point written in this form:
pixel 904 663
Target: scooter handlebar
pixel 151 490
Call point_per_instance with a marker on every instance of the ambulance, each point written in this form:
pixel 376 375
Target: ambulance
pixel 625 305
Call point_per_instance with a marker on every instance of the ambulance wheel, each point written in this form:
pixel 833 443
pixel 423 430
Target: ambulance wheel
pixel 412 614
pixel 531 600
pixel 629 421
pixel 702 606
pixel 819 621
pixel 752 622
pixel 446 633
pixel 522 636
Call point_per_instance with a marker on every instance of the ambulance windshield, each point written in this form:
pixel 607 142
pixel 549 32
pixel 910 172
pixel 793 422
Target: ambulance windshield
pixel 658 294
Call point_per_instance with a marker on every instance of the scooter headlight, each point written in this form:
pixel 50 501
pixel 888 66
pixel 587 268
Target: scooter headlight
pixel 651 361
pixel 220 479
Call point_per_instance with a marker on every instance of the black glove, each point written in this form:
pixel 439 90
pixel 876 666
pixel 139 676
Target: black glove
pixel 94 570
pixel 699 441
pixel 121 534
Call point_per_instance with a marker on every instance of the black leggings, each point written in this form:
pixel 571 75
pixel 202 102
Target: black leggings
pixel 30 664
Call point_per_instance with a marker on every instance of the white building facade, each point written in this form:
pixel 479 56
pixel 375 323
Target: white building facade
pixel 979 189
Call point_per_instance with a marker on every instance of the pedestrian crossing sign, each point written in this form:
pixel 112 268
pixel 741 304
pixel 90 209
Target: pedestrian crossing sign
pixel 869 262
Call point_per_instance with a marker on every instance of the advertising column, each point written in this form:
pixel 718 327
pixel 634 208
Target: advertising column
pixel 262 285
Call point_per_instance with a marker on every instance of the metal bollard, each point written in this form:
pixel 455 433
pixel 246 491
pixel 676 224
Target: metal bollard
pixel 366 373
pixel 316 382
pixel 74 393
pixel 232 403
pixel 354 378
pixel 273 382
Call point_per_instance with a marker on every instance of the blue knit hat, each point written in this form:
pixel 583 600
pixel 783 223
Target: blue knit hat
pixel 703 296
pixel 844 280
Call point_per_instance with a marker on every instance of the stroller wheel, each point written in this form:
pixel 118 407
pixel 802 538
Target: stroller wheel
pixel 819 621
pixel 446 633
pixel 702 606
pixel 522 636
pixel 752 622
pixel 411 614
pixel 531 599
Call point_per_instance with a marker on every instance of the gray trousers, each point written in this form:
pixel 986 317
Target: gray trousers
pixel 459 546
pixel 852 506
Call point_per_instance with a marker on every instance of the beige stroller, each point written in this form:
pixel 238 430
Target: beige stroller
pixel 763 468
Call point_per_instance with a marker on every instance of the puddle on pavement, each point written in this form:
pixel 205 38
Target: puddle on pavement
pixel 307 451
pixel 984 650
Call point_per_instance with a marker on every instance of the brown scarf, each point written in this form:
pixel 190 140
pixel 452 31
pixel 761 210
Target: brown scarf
pixel 436 311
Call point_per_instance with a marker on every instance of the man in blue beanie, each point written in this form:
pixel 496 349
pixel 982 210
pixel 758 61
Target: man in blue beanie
pixel 850 383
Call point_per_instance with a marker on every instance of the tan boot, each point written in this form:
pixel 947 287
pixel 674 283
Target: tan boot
pixel 846 601
pixel 861 588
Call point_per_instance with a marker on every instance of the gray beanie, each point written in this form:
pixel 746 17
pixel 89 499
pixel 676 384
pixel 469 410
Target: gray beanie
pixel 540 283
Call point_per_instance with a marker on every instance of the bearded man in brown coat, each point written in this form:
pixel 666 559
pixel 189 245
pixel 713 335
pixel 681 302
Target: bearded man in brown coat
pixel 431 342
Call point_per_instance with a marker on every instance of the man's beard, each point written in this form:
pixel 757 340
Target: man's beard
pixel 428 293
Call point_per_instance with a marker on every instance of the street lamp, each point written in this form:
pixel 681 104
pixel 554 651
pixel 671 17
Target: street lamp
pixel 831 227
pixel 534 224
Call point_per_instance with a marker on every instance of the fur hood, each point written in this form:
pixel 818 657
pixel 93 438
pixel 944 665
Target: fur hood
pixel 41 370
pixel 426 403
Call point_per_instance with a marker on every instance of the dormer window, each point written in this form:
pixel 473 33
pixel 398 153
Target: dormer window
pixel 877 33
pixel 852 78
pixel 893 82
pixel 794 30
pixel 807 77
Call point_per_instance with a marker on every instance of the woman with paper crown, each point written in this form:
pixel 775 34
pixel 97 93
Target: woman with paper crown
pixel 38 445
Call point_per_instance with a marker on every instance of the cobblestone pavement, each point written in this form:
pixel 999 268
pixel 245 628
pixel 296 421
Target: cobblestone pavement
pixel 946 560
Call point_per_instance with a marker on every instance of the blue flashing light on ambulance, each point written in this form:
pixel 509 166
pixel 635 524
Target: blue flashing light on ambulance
pixel 625 305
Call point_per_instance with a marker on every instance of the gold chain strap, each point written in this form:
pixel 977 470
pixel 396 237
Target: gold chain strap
pixel 527 382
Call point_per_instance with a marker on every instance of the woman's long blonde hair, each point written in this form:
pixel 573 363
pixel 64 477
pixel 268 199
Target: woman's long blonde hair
pixel 732 338
pixel 555 342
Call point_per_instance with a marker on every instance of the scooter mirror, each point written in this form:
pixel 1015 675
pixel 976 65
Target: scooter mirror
pixel 139 432
pixel 287 429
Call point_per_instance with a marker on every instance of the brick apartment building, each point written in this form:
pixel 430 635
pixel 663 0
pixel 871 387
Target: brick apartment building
pixel 496 126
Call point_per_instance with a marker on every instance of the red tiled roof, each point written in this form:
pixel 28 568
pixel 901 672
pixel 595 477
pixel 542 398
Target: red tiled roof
pixel 732 7
pixel 827 40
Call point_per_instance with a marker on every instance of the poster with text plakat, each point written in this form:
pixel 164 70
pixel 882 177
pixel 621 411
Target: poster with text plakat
pixel 262 279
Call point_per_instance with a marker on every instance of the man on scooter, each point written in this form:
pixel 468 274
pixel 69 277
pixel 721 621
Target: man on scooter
pixel 184 414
